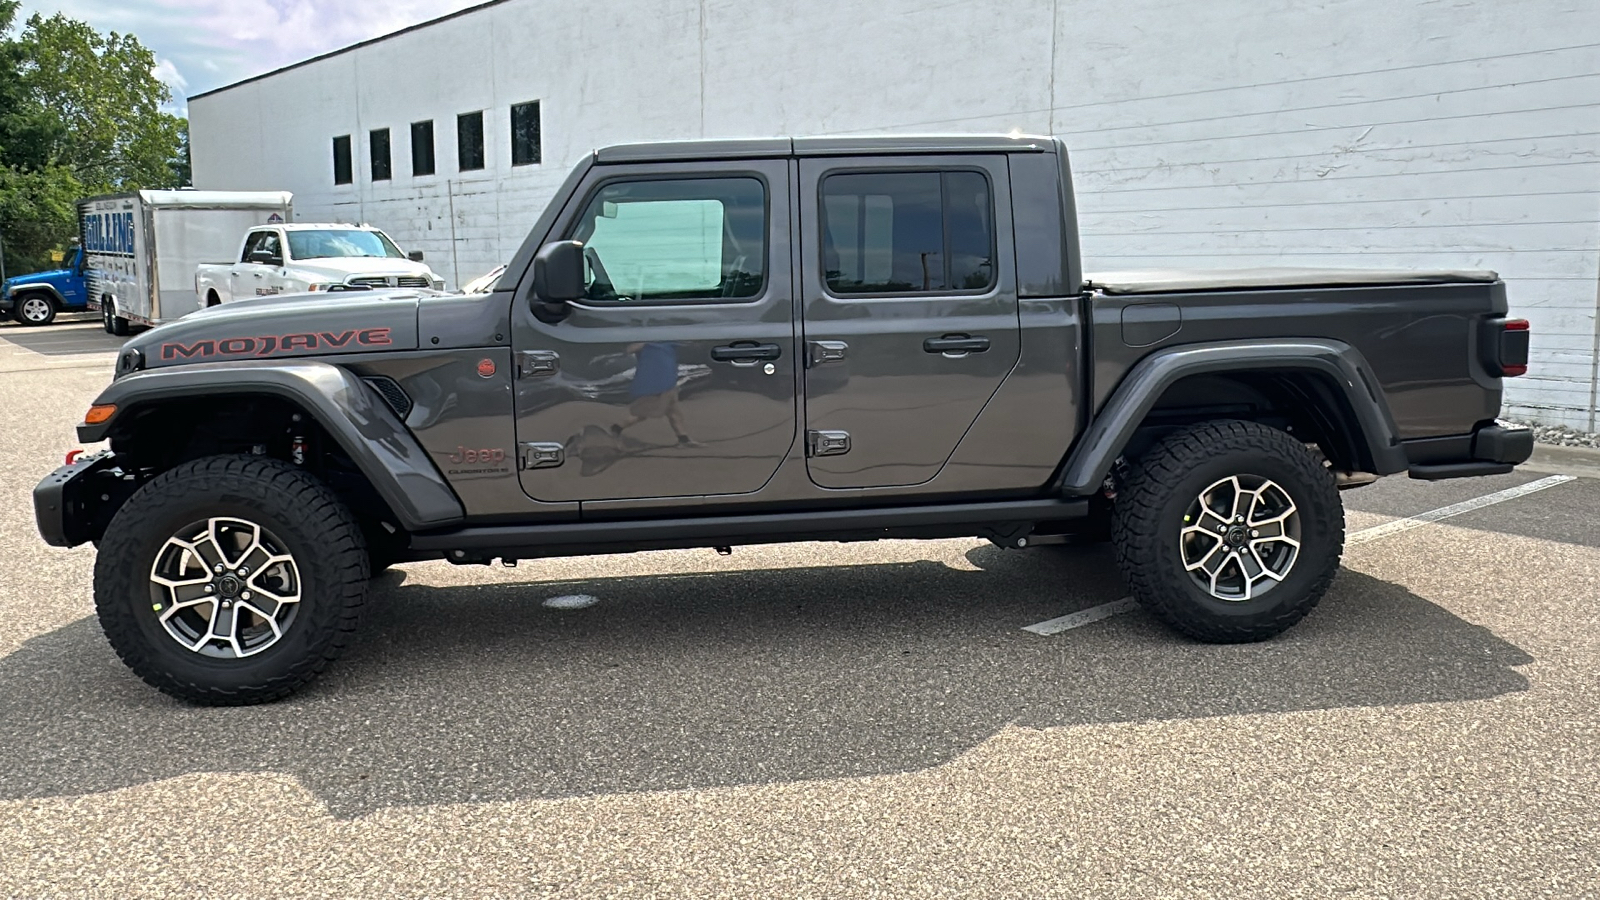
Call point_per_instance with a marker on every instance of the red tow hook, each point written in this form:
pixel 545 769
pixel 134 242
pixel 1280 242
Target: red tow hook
pixel 72 456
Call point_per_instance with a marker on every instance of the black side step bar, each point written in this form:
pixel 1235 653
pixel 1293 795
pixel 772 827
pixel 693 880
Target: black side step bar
pixel 1003 518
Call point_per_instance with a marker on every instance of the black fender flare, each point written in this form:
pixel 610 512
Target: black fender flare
pixel 346 407
pixel 1097 450
pixel 17 289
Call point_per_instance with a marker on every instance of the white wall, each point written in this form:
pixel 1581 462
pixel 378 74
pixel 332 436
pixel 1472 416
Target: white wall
pixel 1344 133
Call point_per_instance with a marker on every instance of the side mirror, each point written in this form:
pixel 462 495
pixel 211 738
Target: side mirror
pixel 558 272
pixel 261 257
pixel 414 256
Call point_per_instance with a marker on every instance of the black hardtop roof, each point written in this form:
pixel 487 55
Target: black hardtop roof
pixel 871 145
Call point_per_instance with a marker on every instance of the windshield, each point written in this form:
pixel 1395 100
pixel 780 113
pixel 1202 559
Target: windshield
pixel 323 244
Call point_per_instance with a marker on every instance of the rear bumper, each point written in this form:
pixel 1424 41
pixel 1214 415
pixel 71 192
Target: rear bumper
pixel 1496 450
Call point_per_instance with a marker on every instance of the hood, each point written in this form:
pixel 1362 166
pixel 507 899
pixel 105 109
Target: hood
pixel 361 265
pixel 281 327
pixel 36 277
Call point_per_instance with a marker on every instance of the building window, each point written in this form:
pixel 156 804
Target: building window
pixel 341 160
pixel 907 232
pixel 525 147
pixel 422 148
pixel 469 141
pixel 381 169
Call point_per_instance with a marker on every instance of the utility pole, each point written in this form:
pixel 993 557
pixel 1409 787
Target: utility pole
pixel 2 257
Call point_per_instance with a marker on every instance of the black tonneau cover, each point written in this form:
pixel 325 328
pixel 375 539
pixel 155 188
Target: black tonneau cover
pixel 1175 281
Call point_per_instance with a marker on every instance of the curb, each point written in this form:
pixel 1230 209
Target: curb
pixel 1553 460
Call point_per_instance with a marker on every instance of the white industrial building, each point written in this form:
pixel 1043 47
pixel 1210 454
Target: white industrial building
pixel 1411 133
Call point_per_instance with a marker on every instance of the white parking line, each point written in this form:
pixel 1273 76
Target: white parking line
pixel 1454 509
pixel 1128 604
pixel 1084 617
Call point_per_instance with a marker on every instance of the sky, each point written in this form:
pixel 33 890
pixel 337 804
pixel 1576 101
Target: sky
pixel 205 44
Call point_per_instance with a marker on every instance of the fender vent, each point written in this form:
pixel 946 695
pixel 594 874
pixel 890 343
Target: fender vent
pixel 394 395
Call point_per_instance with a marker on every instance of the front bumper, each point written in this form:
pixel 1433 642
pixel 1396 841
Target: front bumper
pixel 1496 450
pixel 73 504
pixel 7 305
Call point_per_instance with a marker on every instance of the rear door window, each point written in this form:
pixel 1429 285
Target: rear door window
pixel 908 232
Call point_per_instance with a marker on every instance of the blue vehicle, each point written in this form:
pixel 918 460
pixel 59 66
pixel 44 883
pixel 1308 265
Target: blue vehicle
pixel 35 299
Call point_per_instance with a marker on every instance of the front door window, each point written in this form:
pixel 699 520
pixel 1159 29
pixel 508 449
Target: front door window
pixel 681 241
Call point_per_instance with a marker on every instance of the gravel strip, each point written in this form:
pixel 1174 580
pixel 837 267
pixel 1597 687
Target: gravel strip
pixel 1562 436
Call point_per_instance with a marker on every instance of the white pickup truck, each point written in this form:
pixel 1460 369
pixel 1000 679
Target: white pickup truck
pixel 300 258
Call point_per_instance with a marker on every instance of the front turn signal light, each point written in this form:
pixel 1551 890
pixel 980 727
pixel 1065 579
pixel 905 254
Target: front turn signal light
pixel 99 413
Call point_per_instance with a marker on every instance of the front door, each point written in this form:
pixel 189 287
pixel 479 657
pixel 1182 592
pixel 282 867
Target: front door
pixel 910 311
pixel 675 375
pixel 72 289
pixel 250 279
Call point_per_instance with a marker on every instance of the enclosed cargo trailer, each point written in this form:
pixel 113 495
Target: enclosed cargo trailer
pixel 142 248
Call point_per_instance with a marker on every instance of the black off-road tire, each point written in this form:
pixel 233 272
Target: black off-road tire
pixel 318 531
pixel 1157 494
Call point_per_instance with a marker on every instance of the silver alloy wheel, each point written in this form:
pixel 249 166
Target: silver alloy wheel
pixel 1240 537
pixel 225 588
pixel 35 309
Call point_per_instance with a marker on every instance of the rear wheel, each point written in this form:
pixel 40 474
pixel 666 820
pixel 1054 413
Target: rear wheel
pixel 35 309
pixel 231 580
pixel 109 320
pixel 1229 531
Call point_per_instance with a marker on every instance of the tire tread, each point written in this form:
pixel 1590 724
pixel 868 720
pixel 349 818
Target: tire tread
pixel 328 525
pixel 1139 532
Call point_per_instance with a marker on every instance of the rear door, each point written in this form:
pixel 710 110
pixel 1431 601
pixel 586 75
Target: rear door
pixel 909 311
pixel 675 375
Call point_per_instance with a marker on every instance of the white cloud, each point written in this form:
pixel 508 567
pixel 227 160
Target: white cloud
pixel 167 73
pixel 205 44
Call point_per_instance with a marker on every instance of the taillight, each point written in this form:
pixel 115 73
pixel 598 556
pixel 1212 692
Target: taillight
pixel 1514 347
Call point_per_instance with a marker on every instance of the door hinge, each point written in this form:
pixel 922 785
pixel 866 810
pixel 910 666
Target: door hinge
pixel 543 456
pixel 819 352
pixel 538 363
pixel 827 443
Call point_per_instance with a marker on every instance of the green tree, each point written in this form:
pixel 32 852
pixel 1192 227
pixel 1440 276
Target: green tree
pixel 27 131
pixel 80 114
pixel 102 90
pixel 38 214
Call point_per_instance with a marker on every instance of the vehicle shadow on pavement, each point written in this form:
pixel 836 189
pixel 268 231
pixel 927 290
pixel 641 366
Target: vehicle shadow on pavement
pixel 483 694
pixel 57 340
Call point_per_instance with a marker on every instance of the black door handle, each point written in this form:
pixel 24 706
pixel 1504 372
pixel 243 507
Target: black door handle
pixel 956 343
pixel 745 351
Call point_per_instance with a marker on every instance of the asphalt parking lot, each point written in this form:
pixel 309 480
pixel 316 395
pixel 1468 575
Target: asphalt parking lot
pixel 828 721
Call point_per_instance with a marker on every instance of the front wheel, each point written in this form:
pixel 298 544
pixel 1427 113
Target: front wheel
pixel 231 580
pixel 1229 531
pixel 35 309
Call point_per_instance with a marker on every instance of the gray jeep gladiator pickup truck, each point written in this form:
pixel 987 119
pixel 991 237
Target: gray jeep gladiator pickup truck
pixel 737 342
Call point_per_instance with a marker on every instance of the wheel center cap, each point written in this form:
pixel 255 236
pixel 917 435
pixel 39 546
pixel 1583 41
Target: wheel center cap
pixel 1237 536
pixel 228 586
